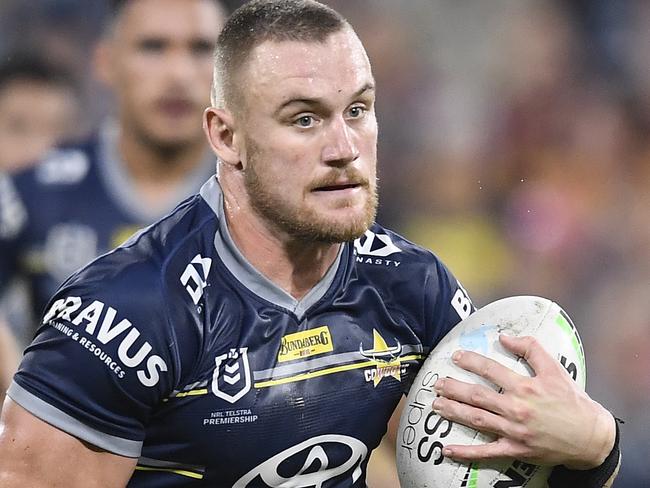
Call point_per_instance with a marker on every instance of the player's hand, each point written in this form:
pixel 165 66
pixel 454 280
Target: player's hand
pixel 546 419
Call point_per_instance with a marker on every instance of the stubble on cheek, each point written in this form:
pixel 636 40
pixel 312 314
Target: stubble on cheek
pixel 301 220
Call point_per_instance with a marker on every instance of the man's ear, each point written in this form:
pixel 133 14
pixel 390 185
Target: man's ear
pixel 219 128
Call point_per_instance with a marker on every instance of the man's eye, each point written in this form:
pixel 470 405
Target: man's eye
pixel 356 112
pixel 202 48
pixel 151 45
pixel 305 121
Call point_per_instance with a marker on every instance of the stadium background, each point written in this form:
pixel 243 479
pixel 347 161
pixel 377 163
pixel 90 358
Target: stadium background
pixel 513 142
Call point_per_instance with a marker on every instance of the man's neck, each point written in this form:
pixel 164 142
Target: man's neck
pixel 155 171
pixel 295 266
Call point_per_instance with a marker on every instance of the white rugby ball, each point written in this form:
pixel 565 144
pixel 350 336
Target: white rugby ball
pixel 422 433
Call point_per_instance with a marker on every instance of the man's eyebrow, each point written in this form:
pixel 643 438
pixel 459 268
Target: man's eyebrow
pixel 368 87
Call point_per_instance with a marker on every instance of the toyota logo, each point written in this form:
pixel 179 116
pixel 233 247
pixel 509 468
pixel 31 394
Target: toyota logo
pixel 316 450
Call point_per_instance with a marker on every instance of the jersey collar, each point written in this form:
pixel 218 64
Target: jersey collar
pixel 247 274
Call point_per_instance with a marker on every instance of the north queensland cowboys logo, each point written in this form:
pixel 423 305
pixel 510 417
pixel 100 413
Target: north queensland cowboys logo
pixel 310 464
pixel 378 245
pixel 231 379
pixel 387 359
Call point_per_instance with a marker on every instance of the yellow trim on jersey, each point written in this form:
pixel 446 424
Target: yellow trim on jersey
pixel 336 369
pixel 202 391
pixel 182 472
pixel 311 374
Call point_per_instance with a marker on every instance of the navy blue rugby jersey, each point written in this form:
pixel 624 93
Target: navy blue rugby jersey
pixel 77 203
pixel 175 350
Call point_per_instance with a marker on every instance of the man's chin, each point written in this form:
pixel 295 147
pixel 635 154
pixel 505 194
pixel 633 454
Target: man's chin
pixel 170 142
pixel 344 223
pixel 335 230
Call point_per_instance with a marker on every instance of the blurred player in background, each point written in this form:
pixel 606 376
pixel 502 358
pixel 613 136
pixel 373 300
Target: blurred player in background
pixel 38 109
pixel 250 337
pixel 82 200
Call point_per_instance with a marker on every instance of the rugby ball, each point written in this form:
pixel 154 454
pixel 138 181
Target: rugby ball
pixel 422 433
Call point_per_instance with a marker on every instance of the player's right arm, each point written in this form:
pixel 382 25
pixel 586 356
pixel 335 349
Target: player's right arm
pixel 35 454
pixel 103 359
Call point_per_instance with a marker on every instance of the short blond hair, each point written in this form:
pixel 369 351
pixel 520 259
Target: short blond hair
pixel 259 21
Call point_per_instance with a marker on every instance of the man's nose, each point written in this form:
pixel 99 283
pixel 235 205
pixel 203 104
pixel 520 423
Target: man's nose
pixel 180 65
pixel 340 147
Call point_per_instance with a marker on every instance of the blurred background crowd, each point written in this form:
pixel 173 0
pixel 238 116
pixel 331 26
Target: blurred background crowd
pixel 513 142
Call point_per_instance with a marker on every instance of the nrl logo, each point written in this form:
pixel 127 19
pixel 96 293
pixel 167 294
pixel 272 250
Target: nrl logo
pixel 231 379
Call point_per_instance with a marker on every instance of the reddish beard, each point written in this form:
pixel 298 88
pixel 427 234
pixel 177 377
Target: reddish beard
pixel 307 224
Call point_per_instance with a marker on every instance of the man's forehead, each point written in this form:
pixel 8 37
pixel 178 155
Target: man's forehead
pixel 170 18
pixel 339 57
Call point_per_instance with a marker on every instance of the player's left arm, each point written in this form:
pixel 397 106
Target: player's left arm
pixel 545 419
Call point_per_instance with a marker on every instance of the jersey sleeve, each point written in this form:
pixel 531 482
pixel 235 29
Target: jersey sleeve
pixel 104 357
pixel 13 222
pixel 446 302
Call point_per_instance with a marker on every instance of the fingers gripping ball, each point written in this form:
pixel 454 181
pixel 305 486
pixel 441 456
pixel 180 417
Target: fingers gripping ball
pixel 423 434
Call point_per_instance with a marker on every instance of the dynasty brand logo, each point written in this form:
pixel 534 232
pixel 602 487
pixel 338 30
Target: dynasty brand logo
pixel 305 344
pixel 378 245
pixel 373 248
pixel 195 276
pixel 388 359
pixel 231 379
pixel 313 462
